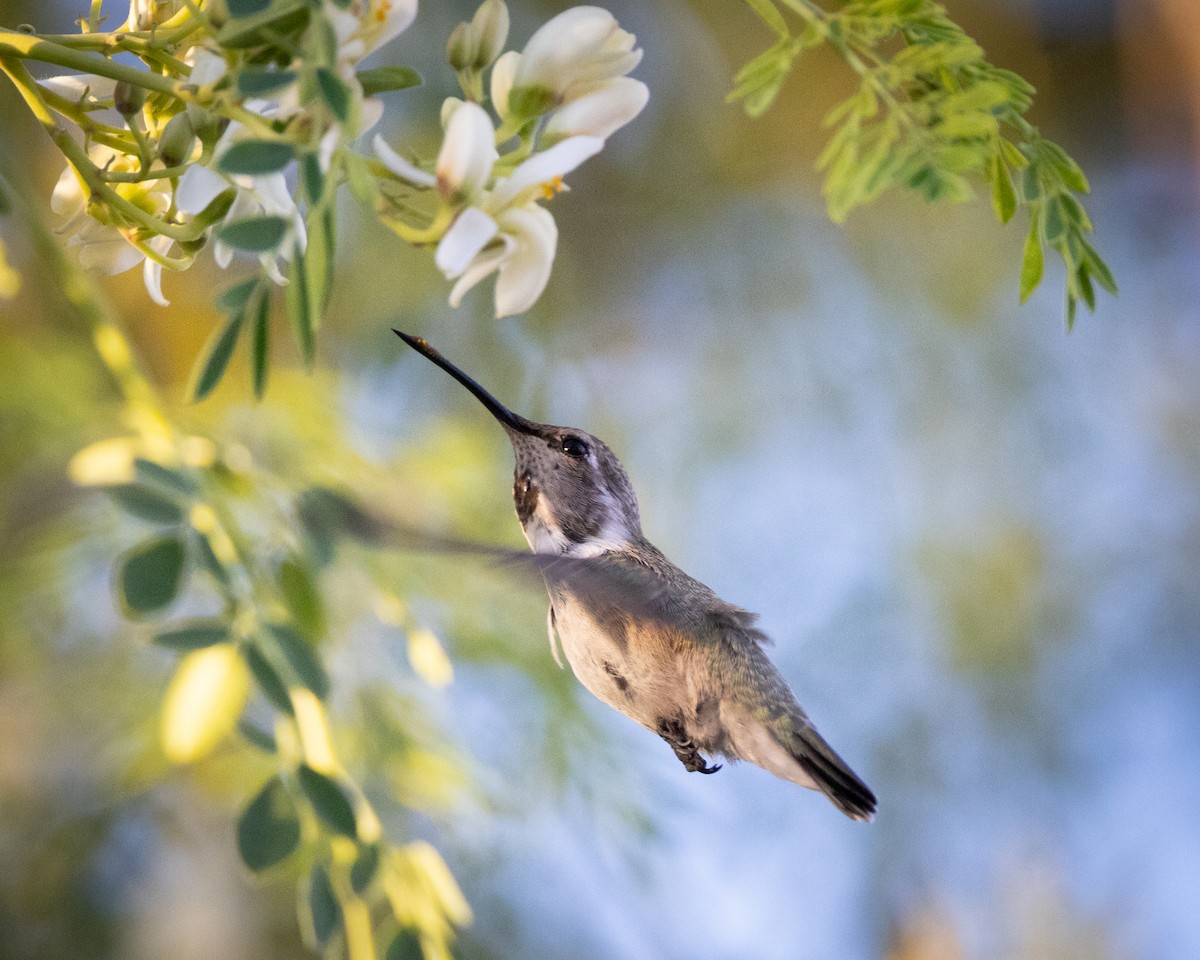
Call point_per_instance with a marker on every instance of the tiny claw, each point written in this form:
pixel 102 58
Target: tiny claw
pixel 705 768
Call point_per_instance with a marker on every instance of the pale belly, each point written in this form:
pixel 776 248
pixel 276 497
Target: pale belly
pixel 627 667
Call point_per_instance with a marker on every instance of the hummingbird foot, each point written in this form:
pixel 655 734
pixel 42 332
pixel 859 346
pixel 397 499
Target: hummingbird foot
pixel 675 734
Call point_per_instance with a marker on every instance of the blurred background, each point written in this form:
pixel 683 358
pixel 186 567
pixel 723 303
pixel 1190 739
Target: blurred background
pixel 974 538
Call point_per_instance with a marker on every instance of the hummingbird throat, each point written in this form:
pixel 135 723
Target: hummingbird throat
pixel 570 535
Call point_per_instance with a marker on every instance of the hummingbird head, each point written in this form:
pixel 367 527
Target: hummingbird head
pixel 572 495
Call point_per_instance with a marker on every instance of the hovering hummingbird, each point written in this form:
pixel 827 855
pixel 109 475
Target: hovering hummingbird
pixel 639 633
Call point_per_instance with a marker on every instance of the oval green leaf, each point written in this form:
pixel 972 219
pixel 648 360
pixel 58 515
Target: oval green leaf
pixel 145 503
pixel 269 830
pixel 301 665
pixel 300 594
pixel 328 800
pixel 320 913
pixel 387 79
pixel 254 234
pixel 256 157
pixel 268 680
pixel 216 357
pixel 365 868
pixel 254 83
pixel 405 946
pixel 150 575
pixel 335 93
pixel 193 634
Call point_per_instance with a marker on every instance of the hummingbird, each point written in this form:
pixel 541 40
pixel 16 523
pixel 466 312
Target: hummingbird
pixel 640 634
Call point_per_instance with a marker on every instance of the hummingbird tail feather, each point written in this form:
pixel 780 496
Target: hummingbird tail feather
pixel 831 774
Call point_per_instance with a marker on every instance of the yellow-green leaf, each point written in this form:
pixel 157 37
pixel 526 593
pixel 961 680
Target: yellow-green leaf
pixel 203 702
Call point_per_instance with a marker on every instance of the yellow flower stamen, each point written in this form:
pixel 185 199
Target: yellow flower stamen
pixel 551 187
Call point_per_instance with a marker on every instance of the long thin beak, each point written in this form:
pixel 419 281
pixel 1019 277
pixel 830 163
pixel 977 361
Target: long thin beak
pixel 509 419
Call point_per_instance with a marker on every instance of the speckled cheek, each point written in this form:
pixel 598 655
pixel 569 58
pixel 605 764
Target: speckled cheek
pixel 525 496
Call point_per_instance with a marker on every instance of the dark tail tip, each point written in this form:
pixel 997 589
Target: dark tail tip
pixel 834 778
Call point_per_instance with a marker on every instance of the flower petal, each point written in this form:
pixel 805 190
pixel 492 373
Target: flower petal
pixel 544 167
pixel 401 167
pixel 152 271
pixel 525 272
pixel 481 266
pixel 468 152
pixel 111 255
pixel 469 234
pixel 597 109
pixel 198 187
pixel 502 80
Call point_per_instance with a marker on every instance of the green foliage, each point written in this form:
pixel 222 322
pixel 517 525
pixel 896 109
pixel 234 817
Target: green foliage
pixel 387 79
pixel 328 800
pixel 269 829
pixel 149 575
pixel 933 116
pixel 193 634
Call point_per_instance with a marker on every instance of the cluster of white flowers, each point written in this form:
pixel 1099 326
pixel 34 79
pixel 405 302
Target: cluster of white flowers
pixel 557 100
pixel 553 105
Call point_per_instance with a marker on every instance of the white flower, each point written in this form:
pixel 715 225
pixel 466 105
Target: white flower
pixel 468 153
pixel 521 253
pixel 257 196
pixel 509 234
pixel 597 109
pixel 363 26
pixel 103 247
pixel 582 45
pixel 502 80
pixel 145 14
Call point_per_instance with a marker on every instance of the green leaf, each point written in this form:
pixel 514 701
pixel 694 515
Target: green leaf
pixel 300 664
pixel 210 561
pixel 262 343
pixel 1054 221
pixel 405 946
pixel 245 8
pixel 254 234
pixel 280 21
pixel 256 157
pixel 167 479
pixel 255 83
pixel 146 503
pixel 235 297
pixel 267 679
pixel 256 736
pixel 365 868
pixel 1099 268
pixel 312 178
pixel 300 307
pixel 1072 306
pixel 387 79
pixel 318 259
pixel 193 634
pixel 328 800
pixel 1065 167
pixel 269 829
pixel 300 594
pixel 1033 261
pixel 150 575
pixel 770 15
pixel 1004 197
pixel 216 356
pixel 335 93
pixel 319 910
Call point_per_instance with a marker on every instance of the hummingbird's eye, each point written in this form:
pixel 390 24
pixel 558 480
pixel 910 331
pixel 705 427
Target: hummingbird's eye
pixel 574 446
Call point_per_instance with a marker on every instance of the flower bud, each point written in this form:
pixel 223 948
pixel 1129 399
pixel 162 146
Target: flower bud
pixel 461 47
pixel 177 140
pixel 490 24
pixel 128 98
